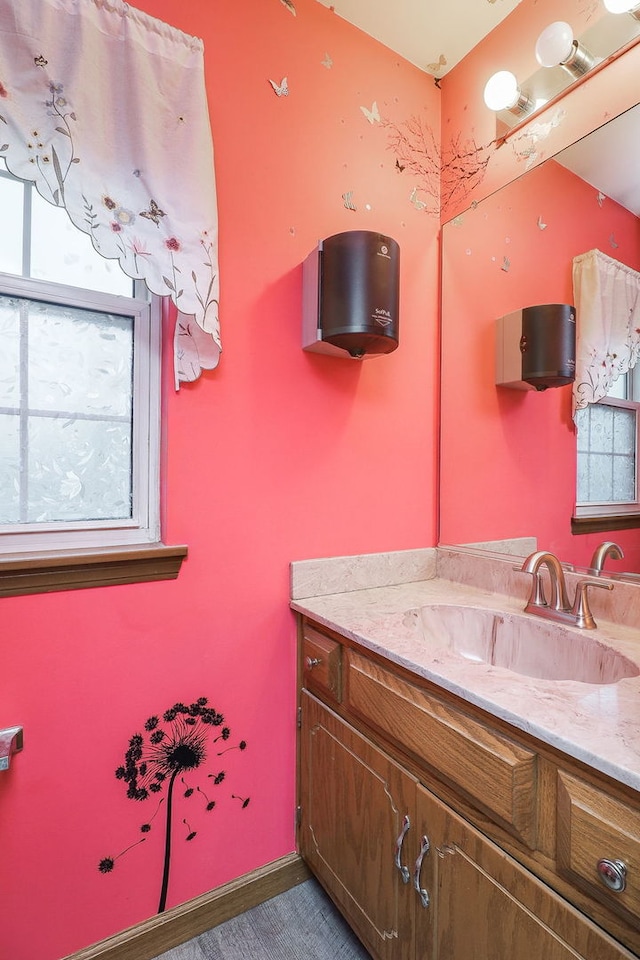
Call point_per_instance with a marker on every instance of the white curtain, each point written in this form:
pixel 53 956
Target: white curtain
pixel 104 108
pixel 607 300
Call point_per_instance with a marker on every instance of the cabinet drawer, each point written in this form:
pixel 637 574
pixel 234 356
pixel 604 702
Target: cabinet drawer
pixel 592 826
pixel 321 663
pixel 497 774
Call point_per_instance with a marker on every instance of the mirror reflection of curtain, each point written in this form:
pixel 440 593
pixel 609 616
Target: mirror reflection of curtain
pixel 104 108
pixel 607 300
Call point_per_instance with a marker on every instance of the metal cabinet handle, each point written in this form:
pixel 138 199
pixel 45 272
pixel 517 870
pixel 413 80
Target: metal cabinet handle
pixel 311 662
pixel 404 871
pixel 424 894
pixel 613 874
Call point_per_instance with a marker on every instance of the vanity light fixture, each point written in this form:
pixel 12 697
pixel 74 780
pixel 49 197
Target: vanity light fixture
pixel 556 46
pixel 623 6
pixel 502 92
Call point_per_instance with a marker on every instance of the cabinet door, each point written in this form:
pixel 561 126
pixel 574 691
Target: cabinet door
pixel 485 906
pixel 355 805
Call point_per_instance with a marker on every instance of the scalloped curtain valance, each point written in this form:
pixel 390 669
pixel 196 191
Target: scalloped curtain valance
pixel 104 108
pixel 607 300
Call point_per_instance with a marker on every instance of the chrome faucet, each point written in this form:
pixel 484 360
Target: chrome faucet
pixel 600 554
pixel 559 608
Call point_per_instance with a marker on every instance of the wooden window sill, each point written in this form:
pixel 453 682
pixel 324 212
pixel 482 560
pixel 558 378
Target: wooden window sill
pixel 622 521
pixel 45 572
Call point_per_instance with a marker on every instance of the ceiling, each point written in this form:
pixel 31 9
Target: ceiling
pixel 432 34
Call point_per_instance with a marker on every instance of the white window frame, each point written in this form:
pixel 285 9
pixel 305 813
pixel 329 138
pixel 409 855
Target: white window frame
pixel 594 509
pixel 144 524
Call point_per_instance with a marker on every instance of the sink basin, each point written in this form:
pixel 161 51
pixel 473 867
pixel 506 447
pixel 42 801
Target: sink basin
pixel 548 651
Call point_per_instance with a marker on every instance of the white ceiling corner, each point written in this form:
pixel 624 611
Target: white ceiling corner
pixel 423 31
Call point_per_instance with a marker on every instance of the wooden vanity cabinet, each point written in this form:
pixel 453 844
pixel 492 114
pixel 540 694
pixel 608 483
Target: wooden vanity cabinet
pixel 354 800
pixel 485 906
pixel 415 879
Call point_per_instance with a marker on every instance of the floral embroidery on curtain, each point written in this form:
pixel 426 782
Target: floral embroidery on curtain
pixel 104 108
pixel 607 299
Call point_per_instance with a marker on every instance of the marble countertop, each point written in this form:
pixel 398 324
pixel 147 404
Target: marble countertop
pixel 598 724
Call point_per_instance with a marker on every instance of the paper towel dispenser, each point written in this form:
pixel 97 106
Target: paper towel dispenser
pixel 536 347
pixel 350 298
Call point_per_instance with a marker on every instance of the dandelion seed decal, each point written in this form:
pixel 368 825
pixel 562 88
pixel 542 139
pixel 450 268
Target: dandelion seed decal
pixel 172 747
pixel 190 833
pixel 107 864
pixel 239 746
pixel 210 803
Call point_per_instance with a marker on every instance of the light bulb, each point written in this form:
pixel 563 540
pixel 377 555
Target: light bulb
pixel 623 6
pixel 556 47
pixel 501 91
pixel 555 44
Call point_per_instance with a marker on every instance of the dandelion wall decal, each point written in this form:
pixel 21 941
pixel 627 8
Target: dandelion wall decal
pixel 172 746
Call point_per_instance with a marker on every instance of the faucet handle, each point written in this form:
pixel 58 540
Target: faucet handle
pixel 581 610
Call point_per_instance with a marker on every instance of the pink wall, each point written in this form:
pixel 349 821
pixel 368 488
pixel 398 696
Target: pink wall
pixel 276 455
pixel 520 446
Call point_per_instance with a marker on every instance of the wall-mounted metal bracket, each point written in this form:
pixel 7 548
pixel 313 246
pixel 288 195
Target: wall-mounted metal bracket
pixel 11 741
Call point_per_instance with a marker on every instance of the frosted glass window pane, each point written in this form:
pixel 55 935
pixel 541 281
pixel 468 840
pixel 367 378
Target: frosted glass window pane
pixel 624 475
pixel 80 361
pixel 9 468
pixel 11 200
pixel 582 491
pixel 72 410
pixel 62 253
pixel 601 428
pixel 79 470
pixel 624 430
pixel 9 352
pixel 606 455
pixel 582 427
pixel 600 477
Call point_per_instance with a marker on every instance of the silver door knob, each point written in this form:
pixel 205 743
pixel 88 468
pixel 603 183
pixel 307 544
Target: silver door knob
pixel 613 874
pixel 311 662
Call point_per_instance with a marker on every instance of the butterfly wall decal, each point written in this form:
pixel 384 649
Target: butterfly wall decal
pixel 348 200
pixel 153 213
pixel 373 115
pixel 399 166
pixel 418 204
pixel 327 62
pixel 280 89
pixel 434 67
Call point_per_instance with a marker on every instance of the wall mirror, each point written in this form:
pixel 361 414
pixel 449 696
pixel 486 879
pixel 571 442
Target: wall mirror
pixel 508 457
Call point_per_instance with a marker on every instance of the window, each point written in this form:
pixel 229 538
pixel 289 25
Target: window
pixel 607 482
pixel 79 391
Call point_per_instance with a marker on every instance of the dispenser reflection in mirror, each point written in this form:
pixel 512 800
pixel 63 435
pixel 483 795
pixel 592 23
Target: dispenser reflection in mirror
pixel 514 451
